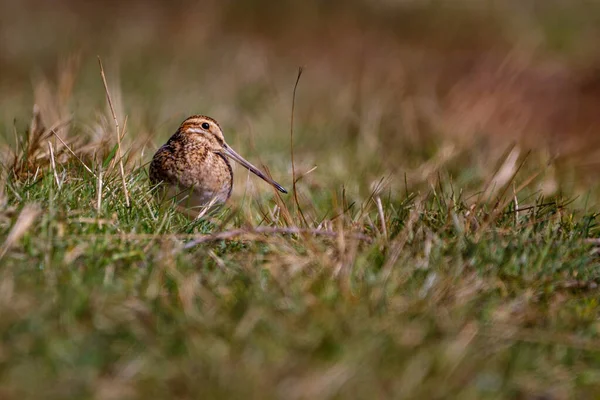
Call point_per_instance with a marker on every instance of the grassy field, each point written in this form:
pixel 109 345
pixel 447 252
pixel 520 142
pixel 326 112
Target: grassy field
pixel 440 238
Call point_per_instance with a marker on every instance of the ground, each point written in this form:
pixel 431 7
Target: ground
pixel 439 238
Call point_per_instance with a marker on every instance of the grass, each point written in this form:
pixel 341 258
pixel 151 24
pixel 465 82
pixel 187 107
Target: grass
pixel 433 252
pixel 451 301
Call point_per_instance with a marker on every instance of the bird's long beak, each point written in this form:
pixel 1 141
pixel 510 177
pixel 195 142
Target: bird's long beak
pixel 228 151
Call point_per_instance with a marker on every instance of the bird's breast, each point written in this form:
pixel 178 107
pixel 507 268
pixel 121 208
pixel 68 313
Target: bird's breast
pixel 208 181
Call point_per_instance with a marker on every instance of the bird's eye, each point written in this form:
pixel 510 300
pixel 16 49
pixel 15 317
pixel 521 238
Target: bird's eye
pixel 205 125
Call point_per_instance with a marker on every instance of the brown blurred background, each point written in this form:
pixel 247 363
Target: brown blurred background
pixel 388 84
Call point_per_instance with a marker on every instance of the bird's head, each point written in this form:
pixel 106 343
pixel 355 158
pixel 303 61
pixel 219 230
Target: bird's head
pixel 208 132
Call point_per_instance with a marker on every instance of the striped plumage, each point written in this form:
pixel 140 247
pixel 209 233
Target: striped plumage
pixel 193 166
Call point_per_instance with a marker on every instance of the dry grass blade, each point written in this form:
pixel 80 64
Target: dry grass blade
pixel 118 132
pixel 236 234
pixel 116 159
pixel 516 200
pixel 504 174
pixel 270 231
pixel 53 164
pixel 292 146
pixel 23 223
pixel 73 153
pixel 539 336
pixel 99 189
pixel 381 216
pixel 32 154
pixel 397 246
pixel 36 131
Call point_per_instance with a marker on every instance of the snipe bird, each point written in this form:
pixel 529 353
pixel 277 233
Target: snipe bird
pixel 193 166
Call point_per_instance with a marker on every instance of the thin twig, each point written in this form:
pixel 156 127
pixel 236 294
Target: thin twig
pixel 233 234
pixel 119 154
pixel 227 235
pixel 300 69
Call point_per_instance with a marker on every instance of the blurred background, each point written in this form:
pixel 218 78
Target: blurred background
pixel 391 88
pixel 419 113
